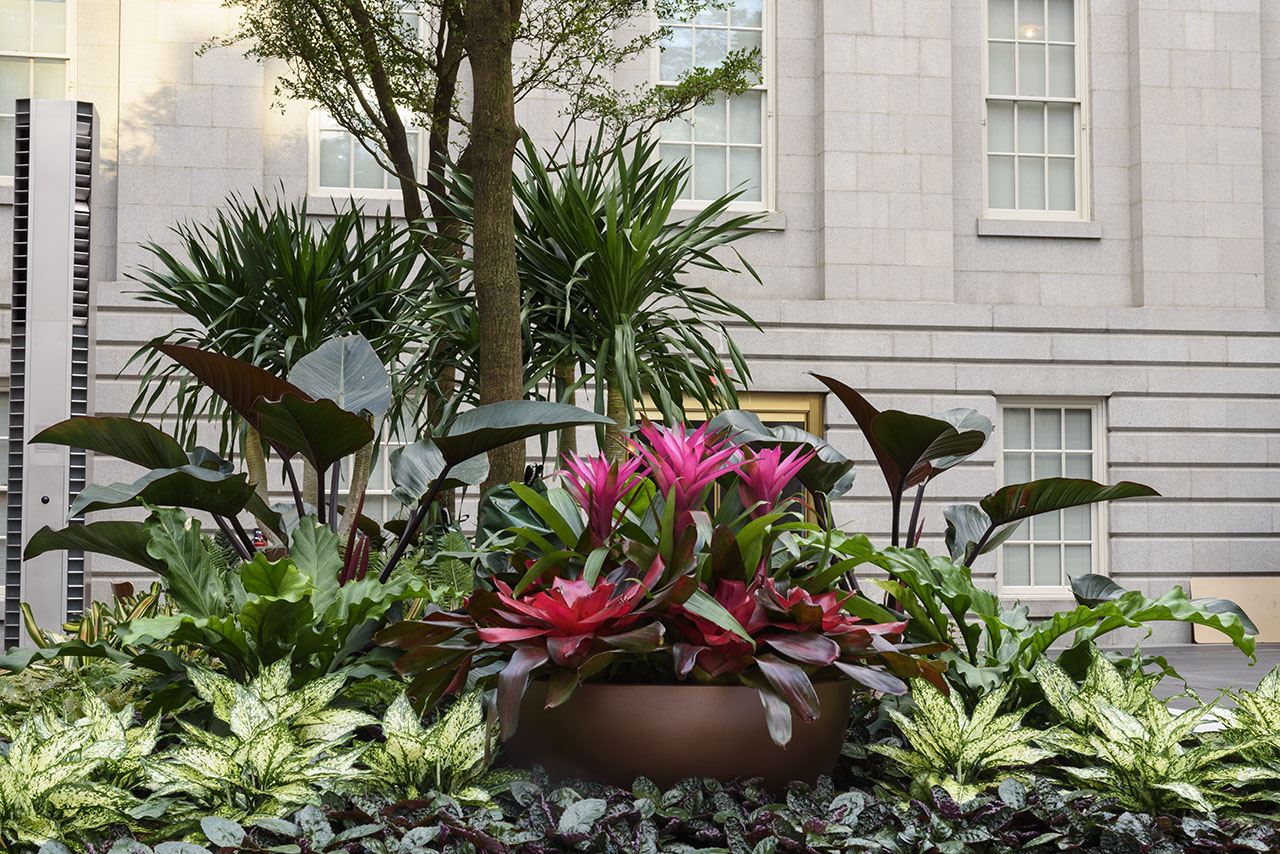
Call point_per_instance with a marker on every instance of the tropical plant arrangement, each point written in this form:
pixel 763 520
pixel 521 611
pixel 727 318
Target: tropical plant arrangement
pixel 312 599
pixel 640 577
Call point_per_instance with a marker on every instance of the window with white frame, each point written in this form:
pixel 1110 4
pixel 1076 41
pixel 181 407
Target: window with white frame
pixel 340 162
pixel 34 61
pixel 1034 109
pixel 725 142
pixel 1051 440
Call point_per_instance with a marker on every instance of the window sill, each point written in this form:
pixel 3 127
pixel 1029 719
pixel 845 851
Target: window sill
pixel 771 221
pixel 1069 229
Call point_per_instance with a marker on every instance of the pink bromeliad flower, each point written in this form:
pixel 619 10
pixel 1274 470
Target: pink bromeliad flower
pixel 599 486
pixel 765 474
pixel 685 464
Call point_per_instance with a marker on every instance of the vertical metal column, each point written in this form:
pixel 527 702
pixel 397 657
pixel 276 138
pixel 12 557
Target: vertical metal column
pixel 49 378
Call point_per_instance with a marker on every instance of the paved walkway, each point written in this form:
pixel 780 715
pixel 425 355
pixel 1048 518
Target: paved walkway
pixel 1210 668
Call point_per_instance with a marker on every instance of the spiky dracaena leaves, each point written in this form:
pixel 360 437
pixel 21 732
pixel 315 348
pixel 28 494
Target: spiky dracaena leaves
pixel 965 754
pixel 284 748
pixel 1128 745
pixel 56 779
pixel 450 756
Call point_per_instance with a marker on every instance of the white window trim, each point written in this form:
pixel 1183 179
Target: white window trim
pixel 768 84
pixel 69 57
pixel 314 188
pixel 1100 512
pixel 1084 182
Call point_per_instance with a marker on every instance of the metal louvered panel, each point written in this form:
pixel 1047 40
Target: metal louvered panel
pixel 17 374
pixel 50 370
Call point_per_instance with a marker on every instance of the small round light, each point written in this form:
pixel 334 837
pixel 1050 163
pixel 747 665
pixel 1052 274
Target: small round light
pixel 1031 31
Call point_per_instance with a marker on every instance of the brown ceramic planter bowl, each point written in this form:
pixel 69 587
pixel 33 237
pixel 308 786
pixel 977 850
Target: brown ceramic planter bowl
pixel 615 733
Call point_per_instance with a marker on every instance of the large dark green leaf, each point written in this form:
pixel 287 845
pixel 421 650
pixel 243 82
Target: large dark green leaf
pixel 912 442
pixel 1023 500
pixel 864 414
pixel 1092 589
pixel 320 430
pixel 189 486
pixel 120 539
pixel 964 420
pixel 829 472
pixel 966 524
pixel 239 383
pixel 347 371
pixel 480 430
pixel 191 576
pixel 134 441
pixel 415 467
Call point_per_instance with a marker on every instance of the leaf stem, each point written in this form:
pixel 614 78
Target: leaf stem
pixel 293 484
pixel 912 539
pixel 977 549
pixel 231 535
pixel 333 497
pixel 415 521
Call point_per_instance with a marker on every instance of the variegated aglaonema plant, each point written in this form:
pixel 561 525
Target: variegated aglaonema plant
pixel 688 561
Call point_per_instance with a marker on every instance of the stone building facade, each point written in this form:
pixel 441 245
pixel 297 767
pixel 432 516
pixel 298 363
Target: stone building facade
pixel 1115 272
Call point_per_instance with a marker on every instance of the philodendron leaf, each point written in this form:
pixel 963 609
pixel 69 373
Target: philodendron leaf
pixel 829 472
pixel 189 486
pixel 1019 501
pixel 193 580
pixel 347 371
pixel 480 430
pixel 966 523
pixel 415 467
pixel 134 441
pixel 964 420
pixel 864 414
pixel 320 430
pixel 237 382
pixel 124 540
pixel 205 458
pixel 1092 589
pixel 912 442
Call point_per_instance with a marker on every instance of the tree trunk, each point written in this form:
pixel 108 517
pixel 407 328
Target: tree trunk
pixel 615 440
pixel 360 467
pixel 490 26
pixel 567 441
pixel 255 463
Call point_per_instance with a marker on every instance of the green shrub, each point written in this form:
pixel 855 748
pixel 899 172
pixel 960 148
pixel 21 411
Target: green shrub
pixel 964 754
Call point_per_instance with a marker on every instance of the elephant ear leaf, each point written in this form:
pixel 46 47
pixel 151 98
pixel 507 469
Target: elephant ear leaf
pixel 964 420
pixel 864 414
pixel 320 430
pixel 912 442
pixel 415 467
pixel 237 382
pixel 120 539
pixel 1092 589
pixel 480 430
pixel 1019 501
pixel 966 525
pixel 347 371
pixel 134 441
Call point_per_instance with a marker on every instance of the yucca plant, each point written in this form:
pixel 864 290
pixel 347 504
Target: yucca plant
pixel 283 749
pixel 965 754
pixel 450 756
pixel 603 255
pixel 264 284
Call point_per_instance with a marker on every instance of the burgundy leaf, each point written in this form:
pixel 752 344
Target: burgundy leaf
pixel 561 685
pixel 513 681
pixel 873 678
pixel 686 656
pixel 792 684
pixel 644 639
pixel 806 647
